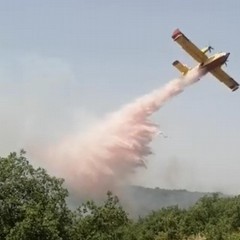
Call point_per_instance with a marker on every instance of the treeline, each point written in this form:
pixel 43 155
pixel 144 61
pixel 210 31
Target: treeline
pixel 33 206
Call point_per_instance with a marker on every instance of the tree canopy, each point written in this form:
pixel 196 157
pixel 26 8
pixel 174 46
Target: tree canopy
pixel 33 206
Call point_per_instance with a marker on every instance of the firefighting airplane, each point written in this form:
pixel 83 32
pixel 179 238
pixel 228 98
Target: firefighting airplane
pixel 211 64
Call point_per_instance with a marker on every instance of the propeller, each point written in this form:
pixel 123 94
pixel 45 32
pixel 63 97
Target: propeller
pixel 210 48
pixel 226 63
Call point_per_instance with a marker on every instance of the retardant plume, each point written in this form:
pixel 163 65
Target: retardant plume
pixel 108 154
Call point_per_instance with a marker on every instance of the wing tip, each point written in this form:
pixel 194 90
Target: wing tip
pixel 235 87
pixel 177 33
pixel 175 62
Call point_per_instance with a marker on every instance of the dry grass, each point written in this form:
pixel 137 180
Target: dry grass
pixel 198 237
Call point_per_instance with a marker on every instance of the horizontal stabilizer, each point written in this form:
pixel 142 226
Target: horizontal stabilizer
pixel 181 67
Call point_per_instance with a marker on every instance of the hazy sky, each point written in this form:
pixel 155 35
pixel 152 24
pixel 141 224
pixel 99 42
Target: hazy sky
pixel 65 64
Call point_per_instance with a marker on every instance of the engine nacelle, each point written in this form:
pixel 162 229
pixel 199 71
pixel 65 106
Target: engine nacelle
pixel 207 49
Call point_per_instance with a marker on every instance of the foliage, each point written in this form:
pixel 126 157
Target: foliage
pixel 33 206
pixel 101 222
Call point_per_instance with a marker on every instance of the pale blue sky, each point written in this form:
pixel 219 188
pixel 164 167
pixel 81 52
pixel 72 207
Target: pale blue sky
pixel 66 63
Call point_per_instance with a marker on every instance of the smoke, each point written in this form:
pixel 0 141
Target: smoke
pixel 107 155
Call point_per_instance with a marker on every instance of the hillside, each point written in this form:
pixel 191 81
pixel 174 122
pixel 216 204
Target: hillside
pixel 139 200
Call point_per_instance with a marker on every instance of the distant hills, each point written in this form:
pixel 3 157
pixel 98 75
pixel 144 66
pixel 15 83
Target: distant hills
pixel 139 200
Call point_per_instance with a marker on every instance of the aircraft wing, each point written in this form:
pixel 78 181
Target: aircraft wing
pixel 188 46
pixel 225 78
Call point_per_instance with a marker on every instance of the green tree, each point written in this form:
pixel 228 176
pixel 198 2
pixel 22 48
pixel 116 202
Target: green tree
pixel 105 222
pixel 32 204
pixel 163 224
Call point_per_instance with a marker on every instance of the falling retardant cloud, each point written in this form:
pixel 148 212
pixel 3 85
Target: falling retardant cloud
pixel 107 155
pixel 41 112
